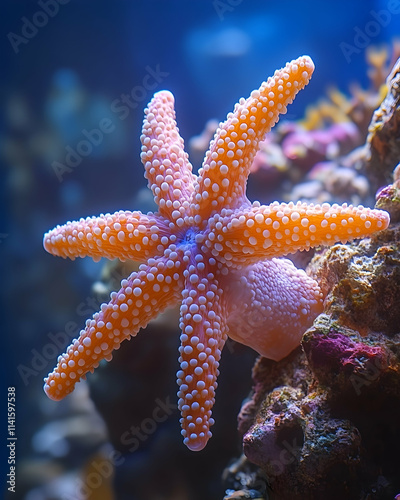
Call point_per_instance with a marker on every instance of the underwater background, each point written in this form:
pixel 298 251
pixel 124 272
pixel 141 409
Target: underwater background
pixel 62 73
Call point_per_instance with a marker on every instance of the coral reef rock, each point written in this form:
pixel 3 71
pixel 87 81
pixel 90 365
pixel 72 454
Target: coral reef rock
pixel 388 198
pixel 383 138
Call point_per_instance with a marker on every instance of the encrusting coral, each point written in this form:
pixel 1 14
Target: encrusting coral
pixel 209 248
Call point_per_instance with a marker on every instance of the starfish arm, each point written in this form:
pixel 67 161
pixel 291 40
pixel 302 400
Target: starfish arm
pixel 122 235
pixel 167 168
pixel 274 304
pixel 279 229
pixel 223 177
pixel 142 297
pixel 203 325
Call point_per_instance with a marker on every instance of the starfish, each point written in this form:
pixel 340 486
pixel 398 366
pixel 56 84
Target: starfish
pixel 208 248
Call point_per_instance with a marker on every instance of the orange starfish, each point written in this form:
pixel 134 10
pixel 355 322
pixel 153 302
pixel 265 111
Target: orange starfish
pixel 208 248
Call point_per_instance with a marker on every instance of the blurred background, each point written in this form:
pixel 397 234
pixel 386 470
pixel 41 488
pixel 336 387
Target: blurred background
pixel 68 69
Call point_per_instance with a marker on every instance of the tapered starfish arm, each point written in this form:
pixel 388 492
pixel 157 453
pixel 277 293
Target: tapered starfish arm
pixel 280 229
pixel 271 301
pixel 143 296
pixel 222 179
pixel 122 235
pixel 203 325
pixel 167 168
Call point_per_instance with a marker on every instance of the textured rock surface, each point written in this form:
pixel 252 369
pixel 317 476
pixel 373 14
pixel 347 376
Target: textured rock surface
pixel 388 198
pixel 362 283
pixel 383 143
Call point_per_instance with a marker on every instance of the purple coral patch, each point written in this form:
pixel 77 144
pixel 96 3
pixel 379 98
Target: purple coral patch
pixel 335 354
